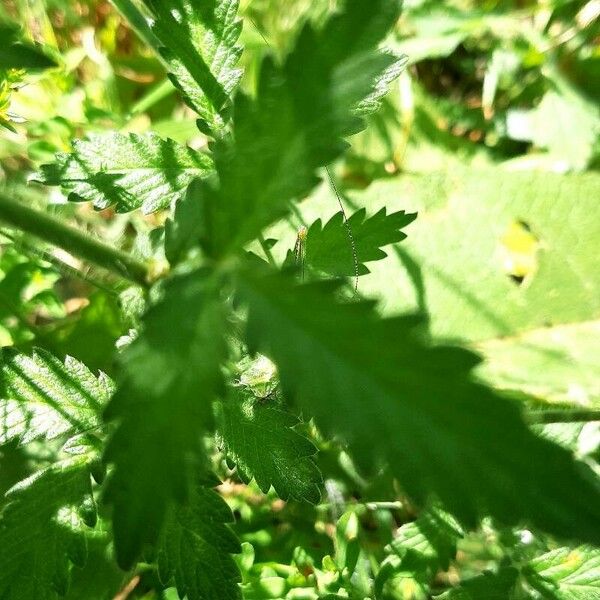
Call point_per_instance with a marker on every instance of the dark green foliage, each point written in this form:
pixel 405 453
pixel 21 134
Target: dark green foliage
pixel 395 405
pixel 20 54
pixel 261 441
pixel 194 550
pixel 171 374
pixel 277 141
pixel 270 434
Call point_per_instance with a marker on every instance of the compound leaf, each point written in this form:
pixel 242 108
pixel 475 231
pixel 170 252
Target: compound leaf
pixel 42 397
pixel 296 123
pixel 42 532
pixel 163 404
pixel 329 249
pixel 128 170
pixel 194 551
pixel 200 46
pixel 566 574
pixel 261 441
pixel 390 395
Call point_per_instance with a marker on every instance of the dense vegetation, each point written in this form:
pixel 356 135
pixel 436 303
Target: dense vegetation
pixel 299 299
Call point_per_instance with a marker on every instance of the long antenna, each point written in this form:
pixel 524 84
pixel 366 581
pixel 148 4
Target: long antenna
pixel 337 195
pixel 348 228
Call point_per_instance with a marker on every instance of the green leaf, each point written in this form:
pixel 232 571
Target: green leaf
pixel 182 232
pixel 296 123
pixel 488 586
pixel 418 551
pixel 201 49
pixel 42 532
pixel 45 398
pixel 19 54
pixel 432 538
pixel 565 123
pixel 194 551
pixel 130 171
pixel 538 336
pixel 261 440
pixel 329 249
pixel 566 574
pixel 390 395
pixel 163 404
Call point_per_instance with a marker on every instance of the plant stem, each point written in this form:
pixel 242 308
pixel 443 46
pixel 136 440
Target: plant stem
pixel 583 415
pixel 267 250
pixel 72 240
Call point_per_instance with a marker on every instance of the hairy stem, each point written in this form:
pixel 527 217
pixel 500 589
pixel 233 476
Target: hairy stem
pixel 74 241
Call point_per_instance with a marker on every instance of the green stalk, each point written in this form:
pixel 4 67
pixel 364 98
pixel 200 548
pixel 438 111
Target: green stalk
pixel 72 240
pixel 139 24
pixel 578 415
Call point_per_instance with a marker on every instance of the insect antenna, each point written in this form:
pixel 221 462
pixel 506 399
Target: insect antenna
pixel 348 228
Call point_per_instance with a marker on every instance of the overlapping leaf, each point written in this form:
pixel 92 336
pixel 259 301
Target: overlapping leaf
pixel 163 405
pixel 261 441
pixel 376 383
pixel 566 574
pixel 194 550
pixel 200 46
pixel 42 397
pixel 42 532
pixel 128 170
pixel 295 124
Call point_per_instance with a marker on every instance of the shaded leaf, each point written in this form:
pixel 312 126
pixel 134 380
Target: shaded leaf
pixel 488 586
pixel 390 395
pixel 19 54
pixel 194 551
pixel 171 374
pixel 296 123
pixel 261 441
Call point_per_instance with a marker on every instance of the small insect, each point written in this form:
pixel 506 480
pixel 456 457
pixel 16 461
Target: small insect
pixel 300 249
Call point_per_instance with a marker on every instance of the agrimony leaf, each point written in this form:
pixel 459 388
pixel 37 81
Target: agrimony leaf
pixel 128 170
pixel 200 46
pixel 194 550
pixel 330 251
pixel 296 123
pixel 566 574
pixel 44 398
pixel 163 405
pixel 390 395
pixel 260 439
pixel 42 532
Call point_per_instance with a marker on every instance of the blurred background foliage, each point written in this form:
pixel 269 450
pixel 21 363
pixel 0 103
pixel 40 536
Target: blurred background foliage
pixel 496 116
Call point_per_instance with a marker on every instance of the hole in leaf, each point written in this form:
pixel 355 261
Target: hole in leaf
pixel 519 252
